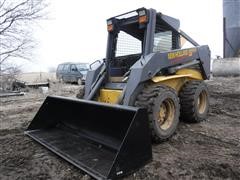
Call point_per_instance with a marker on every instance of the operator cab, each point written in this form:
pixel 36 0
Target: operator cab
pixel 130 37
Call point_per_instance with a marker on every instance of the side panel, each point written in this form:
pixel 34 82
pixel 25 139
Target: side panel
pixel 177 81
pixel 109 96
pixel 191 73
pixel 147 67
pixel 205 56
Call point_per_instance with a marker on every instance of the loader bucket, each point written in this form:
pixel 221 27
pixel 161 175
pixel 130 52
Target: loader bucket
pixel 106 141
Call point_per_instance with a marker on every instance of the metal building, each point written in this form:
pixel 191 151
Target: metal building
pixel 231 28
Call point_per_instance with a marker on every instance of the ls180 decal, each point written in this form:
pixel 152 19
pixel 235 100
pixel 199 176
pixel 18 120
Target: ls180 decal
pixel 181 54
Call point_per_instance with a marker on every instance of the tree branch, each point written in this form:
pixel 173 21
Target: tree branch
pixel 12 9
pixel 16 33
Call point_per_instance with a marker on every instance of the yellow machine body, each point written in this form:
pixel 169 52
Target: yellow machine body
pixel 109 96
pixel 174 81
pixel 179 79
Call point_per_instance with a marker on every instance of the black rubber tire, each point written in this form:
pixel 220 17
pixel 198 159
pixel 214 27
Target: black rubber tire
pixel 80 93
pixel 151 98
pixel 60 80
pixel 189 95
pixel 79 81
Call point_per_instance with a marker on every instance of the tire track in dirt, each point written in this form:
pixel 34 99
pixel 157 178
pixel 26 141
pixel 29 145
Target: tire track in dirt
pixel 208 150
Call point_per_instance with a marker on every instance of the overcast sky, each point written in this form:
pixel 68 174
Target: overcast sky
pixel 76 30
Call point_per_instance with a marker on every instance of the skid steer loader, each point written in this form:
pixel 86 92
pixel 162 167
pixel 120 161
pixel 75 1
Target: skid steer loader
pixel 136 95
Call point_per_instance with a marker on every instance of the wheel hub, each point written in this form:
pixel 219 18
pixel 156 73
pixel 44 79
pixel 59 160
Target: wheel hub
pixel 166 114
pixel 202 102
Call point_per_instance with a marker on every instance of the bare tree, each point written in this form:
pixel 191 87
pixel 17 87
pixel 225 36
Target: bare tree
pixel 17 19
pixel 8 75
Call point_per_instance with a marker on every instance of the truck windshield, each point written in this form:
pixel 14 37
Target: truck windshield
pixel 84 72
pixel 82 67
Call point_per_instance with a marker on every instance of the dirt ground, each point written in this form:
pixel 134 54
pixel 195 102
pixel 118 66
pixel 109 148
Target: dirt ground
pixel 208 150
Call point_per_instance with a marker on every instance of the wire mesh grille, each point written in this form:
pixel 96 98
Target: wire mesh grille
pixel 164 38
pixel 127 45
pixel 162 41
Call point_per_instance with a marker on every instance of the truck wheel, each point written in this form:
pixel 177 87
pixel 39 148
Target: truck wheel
pixel 60 80
pixel 79 81
pixel 80 93
pixel 194 101
pixel 163 110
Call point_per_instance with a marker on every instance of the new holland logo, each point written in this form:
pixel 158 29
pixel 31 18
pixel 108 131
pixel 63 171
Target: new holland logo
pixel 181 54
